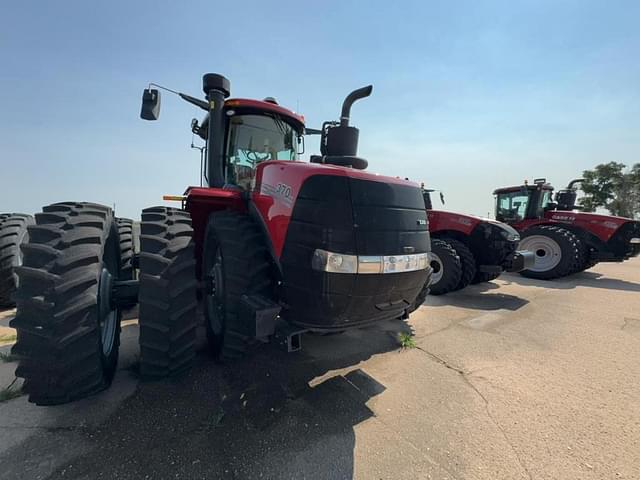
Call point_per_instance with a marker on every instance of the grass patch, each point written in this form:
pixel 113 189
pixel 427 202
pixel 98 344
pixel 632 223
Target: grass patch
pixel 406 340
pixel 8 338
pixel 7 357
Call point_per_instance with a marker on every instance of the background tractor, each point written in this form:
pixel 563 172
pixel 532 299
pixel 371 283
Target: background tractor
pixel 13 233
pixel 321 246
pixel 564 239
pixel 467 249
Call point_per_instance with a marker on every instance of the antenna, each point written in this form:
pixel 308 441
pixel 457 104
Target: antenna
pixel 202 149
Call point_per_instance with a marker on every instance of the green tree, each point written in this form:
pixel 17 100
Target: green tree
pixel 611 186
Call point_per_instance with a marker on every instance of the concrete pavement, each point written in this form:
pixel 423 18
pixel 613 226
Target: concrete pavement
pixel 511 379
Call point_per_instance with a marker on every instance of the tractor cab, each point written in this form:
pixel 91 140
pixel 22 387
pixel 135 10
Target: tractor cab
pixel 529 202
pixel 254 132
pixel 524 202
pixel 426 194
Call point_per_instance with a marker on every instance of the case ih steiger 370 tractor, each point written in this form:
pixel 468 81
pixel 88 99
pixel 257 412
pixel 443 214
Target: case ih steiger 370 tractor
pixel 467 249
pixel 321 246
pixel 564 240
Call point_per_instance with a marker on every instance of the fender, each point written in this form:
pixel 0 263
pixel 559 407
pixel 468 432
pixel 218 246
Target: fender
pixel 441 221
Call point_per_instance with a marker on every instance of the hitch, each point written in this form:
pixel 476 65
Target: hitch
pixel 521 260
pixel 259 314
pixel 289 337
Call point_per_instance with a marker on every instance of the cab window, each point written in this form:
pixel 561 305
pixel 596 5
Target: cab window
pixel 254 139
pixel 512 206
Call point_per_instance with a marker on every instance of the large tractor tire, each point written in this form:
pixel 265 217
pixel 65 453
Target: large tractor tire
pixel 125 232
pixel 556 252
pixel 168 293
pixel 447 268
pixel 467 260
pixel 68 329
pixel 584 257
pixel 13 233
pixel 236 262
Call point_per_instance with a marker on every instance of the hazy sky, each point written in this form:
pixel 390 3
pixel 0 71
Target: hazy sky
pixel 468 95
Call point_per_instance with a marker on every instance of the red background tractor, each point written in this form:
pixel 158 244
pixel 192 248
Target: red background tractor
pixel 564 239
pixel 322 246
pixel 467 249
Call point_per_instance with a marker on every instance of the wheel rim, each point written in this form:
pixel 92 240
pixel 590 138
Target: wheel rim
pixel 438 268
pixel 107 313
pixel 216 295
pixel 548 253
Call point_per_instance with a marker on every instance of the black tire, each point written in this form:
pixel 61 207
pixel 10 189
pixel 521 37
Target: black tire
pixel 569 252
pixel 482 277
pixel 68 332
pixel 447 267
pixel 13 233
pixel 168 289
pixel 236 262
pixel 125 232
pixel 467 260
pixel 584 257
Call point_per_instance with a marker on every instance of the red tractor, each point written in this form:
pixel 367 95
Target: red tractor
pixel 564 240
pixel 321 246
pixel 467 249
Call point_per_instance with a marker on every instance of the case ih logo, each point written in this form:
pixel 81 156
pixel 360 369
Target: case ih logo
pixel 564 218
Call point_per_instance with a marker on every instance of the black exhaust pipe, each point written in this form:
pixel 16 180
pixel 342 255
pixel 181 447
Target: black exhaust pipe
pixel 341 139
pixel 363 92
pixel 573 182
pixel 217 88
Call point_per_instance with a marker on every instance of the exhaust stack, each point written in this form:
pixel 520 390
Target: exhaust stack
pixel 341 139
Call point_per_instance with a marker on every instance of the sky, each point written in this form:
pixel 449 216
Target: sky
pixel 468 95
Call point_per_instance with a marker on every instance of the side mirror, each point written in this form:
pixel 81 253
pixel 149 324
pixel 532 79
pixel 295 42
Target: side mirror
pixel 442 198
pixel 150 104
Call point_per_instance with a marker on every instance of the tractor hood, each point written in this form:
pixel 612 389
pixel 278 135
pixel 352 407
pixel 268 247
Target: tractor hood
pixel 442 220
pixel 602 226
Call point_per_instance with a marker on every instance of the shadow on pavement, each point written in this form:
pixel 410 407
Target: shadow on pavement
pixel 582 279
pixel 272 415
pixel 478 297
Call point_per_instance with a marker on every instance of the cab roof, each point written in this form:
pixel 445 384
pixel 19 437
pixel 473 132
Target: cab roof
pixel 261 105
pixel 517 188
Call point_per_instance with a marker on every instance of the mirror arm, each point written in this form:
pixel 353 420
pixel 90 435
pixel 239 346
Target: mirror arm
pixel 195 101
pixel 188 98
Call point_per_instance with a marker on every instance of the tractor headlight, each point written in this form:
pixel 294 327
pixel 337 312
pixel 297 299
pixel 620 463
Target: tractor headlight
pixel 325 261
pixel 635 241
pixel 334 262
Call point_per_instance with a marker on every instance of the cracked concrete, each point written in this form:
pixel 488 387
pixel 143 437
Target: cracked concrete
pixel 515 379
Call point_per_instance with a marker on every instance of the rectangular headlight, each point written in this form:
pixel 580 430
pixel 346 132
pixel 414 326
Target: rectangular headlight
pixel 371 264
pixel 635 241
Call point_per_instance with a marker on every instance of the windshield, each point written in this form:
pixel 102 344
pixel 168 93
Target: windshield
pixel 512 206
pixel 254 139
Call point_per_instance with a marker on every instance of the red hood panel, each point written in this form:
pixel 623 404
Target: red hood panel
pixel 602 226
pixel 440 220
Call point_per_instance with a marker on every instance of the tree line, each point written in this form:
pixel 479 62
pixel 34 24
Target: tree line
pixel 612 186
